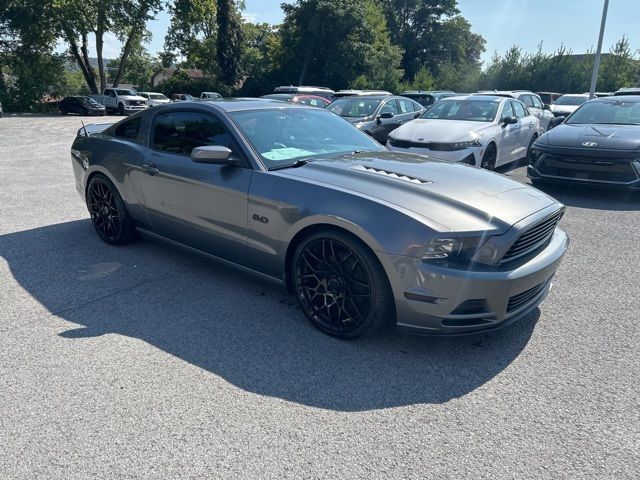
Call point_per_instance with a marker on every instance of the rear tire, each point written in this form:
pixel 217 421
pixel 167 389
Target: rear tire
pixel 340 285
pixel 108 212
pixel 488 161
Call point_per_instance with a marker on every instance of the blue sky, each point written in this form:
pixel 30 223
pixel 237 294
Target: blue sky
pixel 502 23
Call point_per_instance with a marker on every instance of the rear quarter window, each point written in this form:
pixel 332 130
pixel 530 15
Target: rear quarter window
pixel 129 130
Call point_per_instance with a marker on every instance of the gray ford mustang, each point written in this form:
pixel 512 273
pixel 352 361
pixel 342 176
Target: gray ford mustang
pixel 363 236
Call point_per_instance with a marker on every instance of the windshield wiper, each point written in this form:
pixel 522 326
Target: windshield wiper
pixel 296 164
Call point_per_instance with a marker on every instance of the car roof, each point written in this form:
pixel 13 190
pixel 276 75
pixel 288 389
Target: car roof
pixel 430 92
pixel 374 96
pixel 237 104
pixel 475 96
pixel 617 99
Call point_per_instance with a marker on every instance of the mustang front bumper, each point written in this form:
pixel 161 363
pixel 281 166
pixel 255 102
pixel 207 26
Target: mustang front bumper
pixel 437 300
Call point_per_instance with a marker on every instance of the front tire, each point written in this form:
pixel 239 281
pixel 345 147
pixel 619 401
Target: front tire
pixel 121 109
pixel 340 285
pixel 531 142
pixel 108 212
pixel 488 161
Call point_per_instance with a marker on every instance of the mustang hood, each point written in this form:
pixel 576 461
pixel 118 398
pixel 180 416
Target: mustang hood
pixel 454 196
pixel 427 130
pixel 605 137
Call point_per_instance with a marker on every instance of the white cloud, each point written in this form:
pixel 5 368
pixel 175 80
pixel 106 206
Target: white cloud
pixel 250 17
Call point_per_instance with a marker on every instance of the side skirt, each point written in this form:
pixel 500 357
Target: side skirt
pixel 236 266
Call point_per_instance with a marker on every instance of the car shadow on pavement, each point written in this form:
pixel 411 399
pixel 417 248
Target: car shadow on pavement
pixel 237 327
pixel 596 198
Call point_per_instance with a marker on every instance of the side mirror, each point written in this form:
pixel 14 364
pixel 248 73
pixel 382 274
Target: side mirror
pixel 557 121
pixel 213 154
pixel 547 106
pixel 386 115
pixel 417 115
pixel 509 121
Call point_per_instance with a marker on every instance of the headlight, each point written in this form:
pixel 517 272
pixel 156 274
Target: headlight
pixel 453 250
pixel 463 145
pixel 441 248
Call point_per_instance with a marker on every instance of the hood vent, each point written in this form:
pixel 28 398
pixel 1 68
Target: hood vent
pixel 387 173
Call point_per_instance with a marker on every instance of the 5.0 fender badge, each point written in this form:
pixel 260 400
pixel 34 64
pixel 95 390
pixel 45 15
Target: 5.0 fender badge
pixel 589 144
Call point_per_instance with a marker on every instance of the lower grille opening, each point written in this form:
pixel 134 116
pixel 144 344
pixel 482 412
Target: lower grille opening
pixel 596 169
pixel 465 322
pixel 472 307
pixel 521 299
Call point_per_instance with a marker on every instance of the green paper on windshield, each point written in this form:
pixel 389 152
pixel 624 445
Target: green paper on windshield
pixel 286 153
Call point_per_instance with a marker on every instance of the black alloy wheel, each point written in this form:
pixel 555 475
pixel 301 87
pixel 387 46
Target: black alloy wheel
pixel 340 286
pixel 489 158
pixel 108 213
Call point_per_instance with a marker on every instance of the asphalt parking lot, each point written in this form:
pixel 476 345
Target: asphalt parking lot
pixel 145 362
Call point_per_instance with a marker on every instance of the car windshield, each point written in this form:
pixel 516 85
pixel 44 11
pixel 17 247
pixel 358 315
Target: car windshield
pixel 157 96
pixel 571 100
pixel 469 110
pixel 285 135
pixel 607 113
pixel 354 107
pixel 125 91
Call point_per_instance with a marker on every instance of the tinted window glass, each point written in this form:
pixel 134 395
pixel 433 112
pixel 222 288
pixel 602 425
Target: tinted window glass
pixel 390 107
pixel 129 129
pixel 354 107
pixel 607 113
pixel 507 111
pixel 181 132
pixel 527 100
pixel 536 102
pixel 519 110
pixel 406 106
pixel 471 110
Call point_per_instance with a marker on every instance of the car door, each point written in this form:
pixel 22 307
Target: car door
pixel 545 116
pixel 508 135
pixel 383 126
pixel 200 205
pixel 527 124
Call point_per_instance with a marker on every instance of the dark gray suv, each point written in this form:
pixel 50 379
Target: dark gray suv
pixel 377 115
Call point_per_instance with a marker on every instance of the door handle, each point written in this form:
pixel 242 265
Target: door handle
pixel 530 124
pixel 150 169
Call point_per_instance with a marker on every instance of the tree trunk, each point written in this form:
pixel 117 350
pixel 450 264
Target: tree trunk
pixel 305 63
pixel 81 56
pixel 125 55
pixel 100 45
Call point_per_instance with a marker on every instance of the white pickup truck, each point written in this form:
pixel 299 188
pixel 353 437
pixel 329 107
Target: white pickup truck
pixel 122 100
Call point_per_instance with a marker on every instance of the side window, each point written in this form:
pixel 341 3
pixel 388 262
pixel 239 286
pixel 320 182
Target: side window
pixel 537 103
pixel 181 132
pixel 507 110
pixel 406 106
pixel 128 130
pixel 527 100
pixel 110 93
pixel 416 106
pixel 519 110
pixel 390 107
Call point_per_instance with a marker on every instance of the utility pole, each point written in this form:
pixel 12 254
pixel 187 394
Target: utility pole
pixel 596 65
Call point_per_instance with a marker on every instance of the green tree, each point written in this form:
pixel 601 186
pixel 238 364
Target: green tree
pixel 192 35
pixel 230 38
pixel 620 68
pixel 333 42
pixel 27 42
pixel 262 50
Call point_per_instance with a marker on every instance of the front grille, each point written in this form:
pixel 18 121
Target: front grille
pixel 587 168
pixel 435 146
pixel 522 299
pixel 534 238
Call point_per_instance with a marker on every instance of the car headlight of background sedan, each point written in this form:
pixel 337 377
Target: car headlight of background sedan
pixel 463 145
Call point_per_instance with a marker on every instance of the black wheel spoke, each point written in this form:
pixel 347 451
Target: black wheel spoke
pixel 104 209
pixel 333 285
